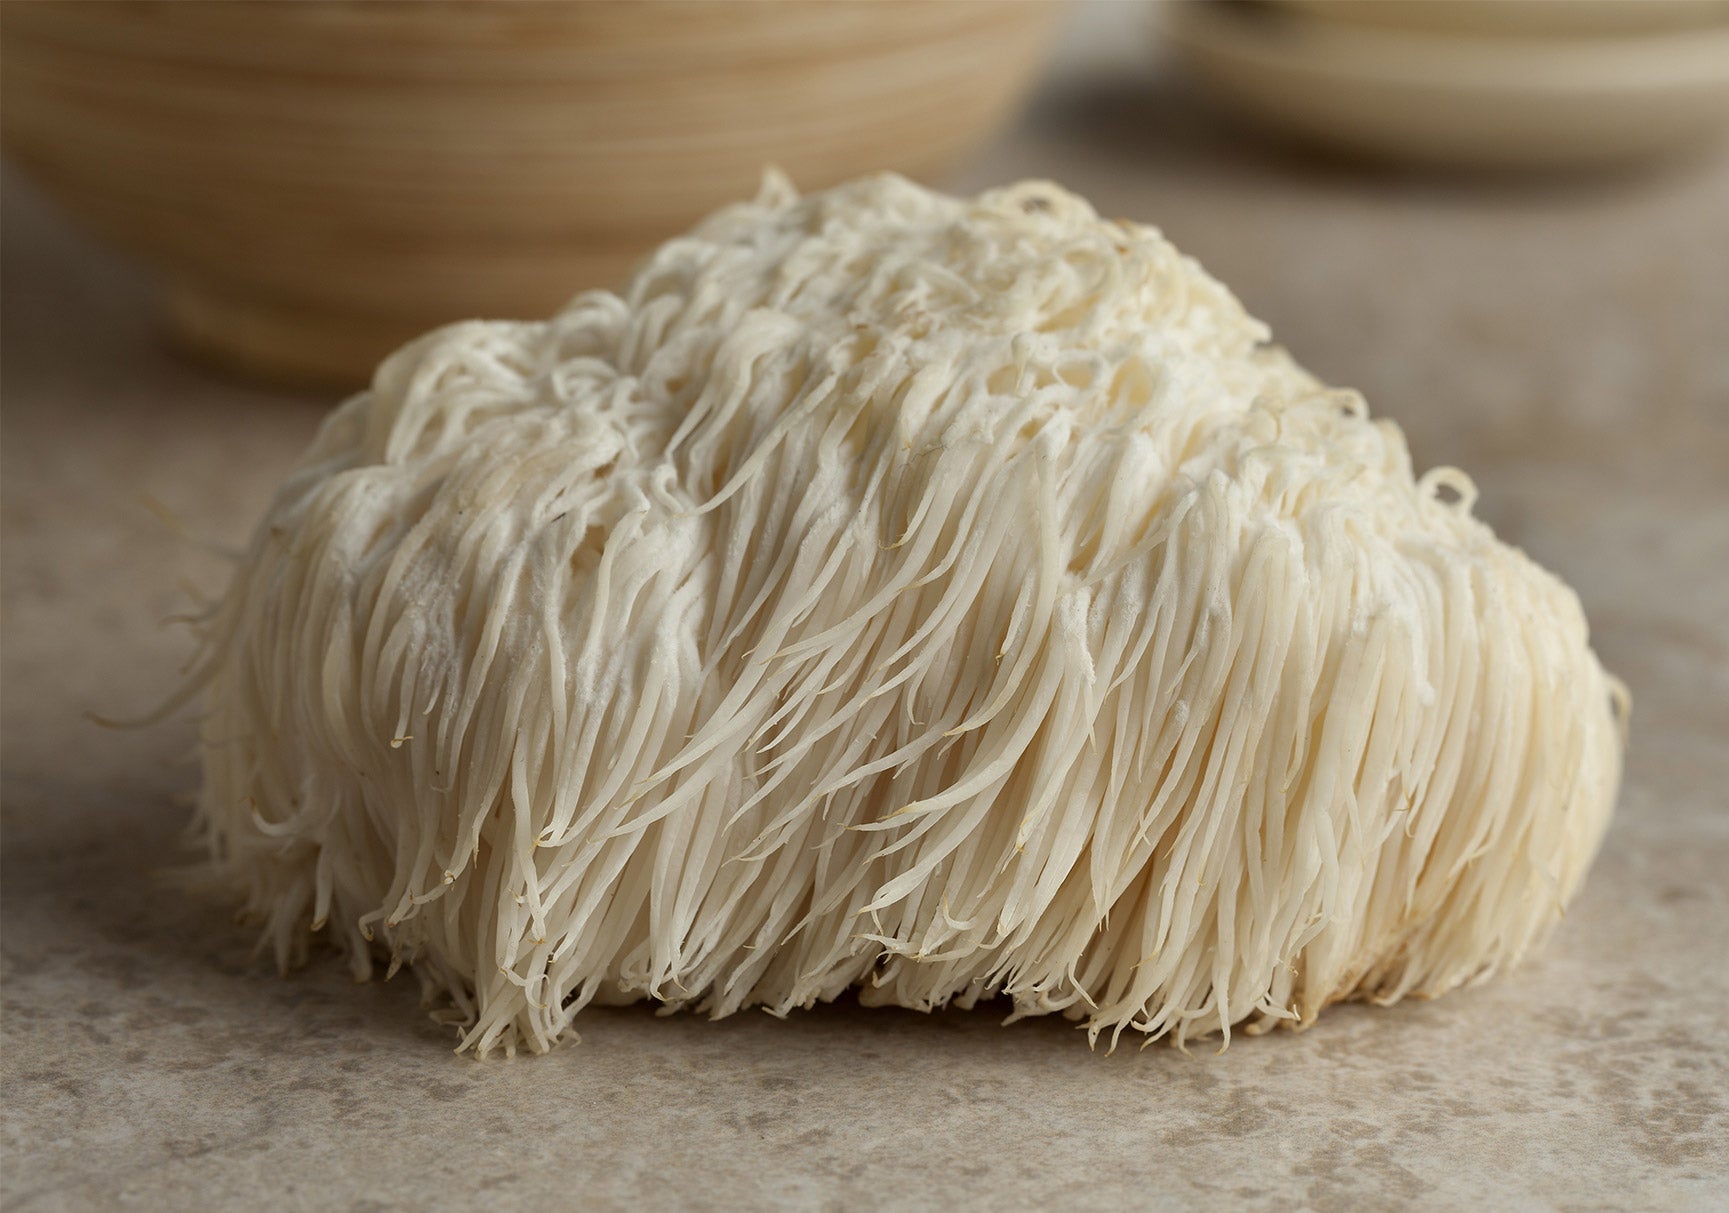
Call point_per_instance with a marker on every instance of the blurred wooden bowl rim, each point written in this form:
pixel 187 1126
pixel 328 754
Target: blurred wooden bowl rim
pixel 1522 18
pixel 320 181
pixel 1484 100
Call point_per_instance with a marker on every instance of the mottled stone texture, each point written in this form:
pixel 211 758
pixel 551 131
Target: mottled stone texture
pixel 1567 343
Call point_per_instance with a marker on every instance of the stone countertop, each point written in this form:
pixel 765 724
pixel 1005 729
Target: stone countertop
pixel 1566 342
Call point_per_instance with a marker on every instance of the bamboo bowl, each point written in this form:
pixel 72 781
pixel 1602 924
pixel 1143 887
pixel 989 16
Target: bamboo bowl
pixel 319 181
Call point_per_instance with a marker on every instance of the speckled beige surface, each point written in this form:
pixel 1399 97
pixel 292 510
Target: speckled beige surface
pixel 1567 344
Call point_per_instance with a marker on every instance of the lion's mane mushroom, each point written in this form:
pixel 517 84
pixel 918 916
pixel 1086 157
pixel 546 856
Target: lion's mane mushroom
pixel 943 598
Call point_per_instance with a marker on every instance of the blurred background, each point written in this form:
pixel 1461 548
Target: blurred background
pixel 1505 221
pixel 315 183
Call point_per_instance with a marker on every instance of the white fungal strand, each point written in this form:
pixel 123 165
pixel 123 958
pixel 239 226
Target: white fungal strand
pixel 950 599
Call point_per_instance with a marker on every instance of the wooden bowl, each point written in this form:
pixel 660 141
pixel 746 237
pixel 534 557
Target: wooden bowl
pixel 1527 18
pixel 320 181
pixel 1490 96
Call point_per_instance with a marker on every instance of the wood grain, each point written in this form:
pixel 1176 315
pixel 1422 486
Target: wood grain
pixel 320 181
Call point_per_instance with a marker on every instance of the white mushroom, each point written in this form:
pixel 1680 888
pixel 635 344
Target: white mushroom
pixel 945 598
